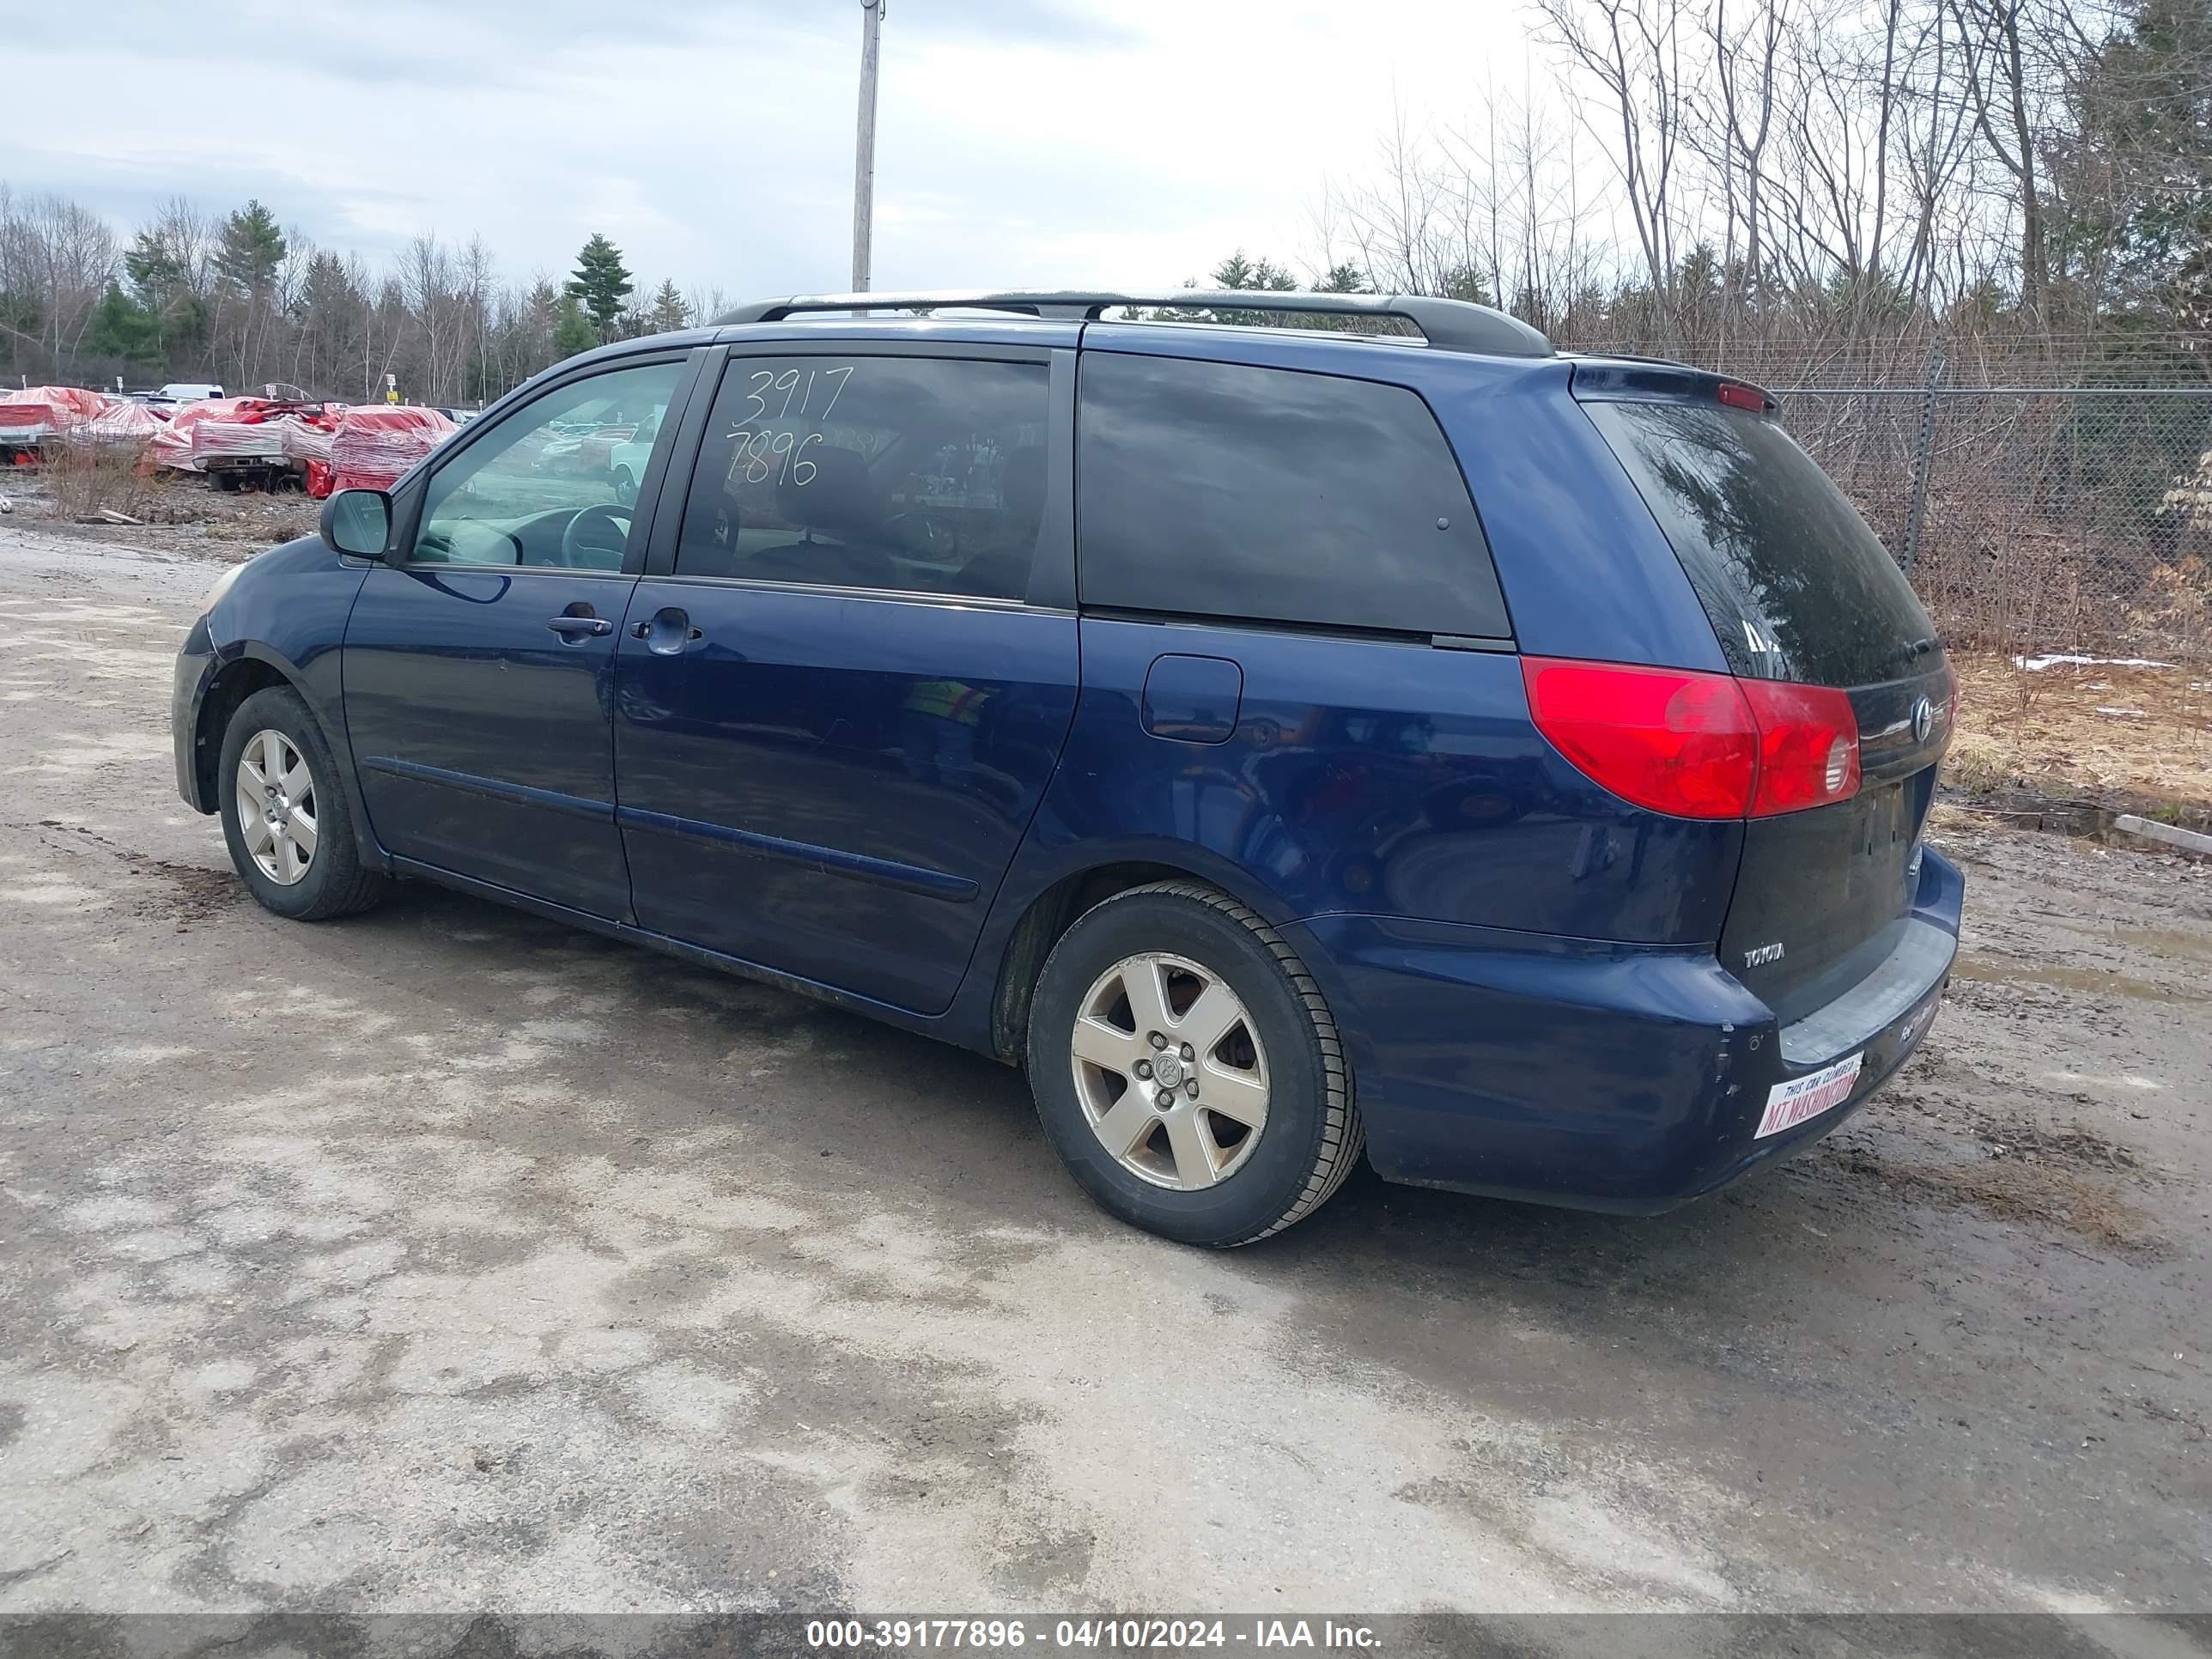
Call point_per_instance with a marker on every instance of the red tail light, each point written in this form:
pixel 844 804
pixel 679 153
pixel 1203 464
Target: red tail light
pixel 1809 746
pixel 1675 742
pixel 1697 746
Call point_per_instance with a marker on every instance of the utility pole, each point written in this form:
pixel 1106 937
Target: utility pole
pixel 864 149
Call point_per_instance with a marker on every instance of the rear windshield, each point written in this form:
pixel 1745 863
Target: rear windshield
pixel 1797 586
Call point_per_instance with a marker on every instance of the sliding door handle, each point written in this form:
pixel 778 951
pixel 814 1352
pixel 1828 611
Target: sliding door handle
pixel 667 632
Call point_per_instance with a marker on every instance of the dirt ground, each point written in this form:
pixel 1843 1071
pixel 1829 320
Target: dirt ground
pixel 446 1258
pixel 2136 737
pixel 182 515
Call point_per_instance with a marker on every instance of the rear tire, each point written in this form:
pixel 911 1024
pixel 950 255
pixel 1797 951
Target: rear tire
pixel 1177 984
pixel 285 816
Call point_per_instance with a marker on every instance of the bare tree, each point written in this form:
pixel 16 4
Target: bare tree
pixel 426 283
pixel 1630 53
pixel 2009 60
pixel 1745 58
pixel 478 272
pixel 70 255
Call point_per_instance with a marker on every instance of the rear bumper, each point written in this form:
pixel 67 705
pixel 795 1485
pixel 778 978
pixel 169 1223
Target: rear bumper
pixel 1602 1076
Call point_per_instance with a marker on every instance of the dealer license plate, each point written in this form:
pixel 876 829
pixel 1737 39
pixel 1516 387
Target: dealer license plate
pixel 1789 1104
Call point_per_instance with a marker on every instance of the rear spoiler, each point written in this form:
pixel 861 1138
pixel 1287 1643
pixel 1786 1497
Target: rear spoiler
pixel 1637 381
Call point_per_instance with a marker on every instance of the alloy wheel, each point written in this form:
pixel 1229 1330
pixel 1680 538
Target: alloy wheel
pixel 277 807
pixel 1169 1070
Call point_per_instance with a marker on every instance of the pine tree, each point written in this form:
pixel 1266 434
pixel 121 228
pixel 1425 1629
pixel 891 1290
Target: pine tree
pixel 670 313
pixel 574 333
pixel 601 282
pixel 1465 282
pixel 253 248
pixel 164 283
pixel 329 291
pixel 1343 278
pixel 122 329
pixel 1238 272
pixel 2133 186
pixel 331 312
pixel 1235 271
pixel 155 268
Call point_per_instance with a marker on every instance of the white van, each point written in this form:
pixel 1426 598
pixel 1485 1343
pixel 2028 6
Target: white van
pixel 189 391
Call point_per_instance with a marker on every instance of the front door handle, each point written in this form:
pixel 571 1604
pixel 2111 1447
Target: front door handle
pixel 578 627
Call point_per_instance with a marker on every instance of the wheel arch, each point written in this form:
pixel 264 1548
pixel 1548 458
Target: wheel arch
pixel 252 670
pixel 1053 909
pixel 258 667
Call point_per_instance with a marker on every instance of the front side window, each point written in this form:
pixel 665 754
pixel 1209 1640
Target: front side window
pixel 1220 489
pixel 554 484
pixel 917 474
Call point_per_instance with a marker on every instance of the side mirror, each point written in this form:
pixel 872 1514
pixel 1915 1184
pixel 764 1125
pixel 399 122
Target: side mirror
pixel 359 522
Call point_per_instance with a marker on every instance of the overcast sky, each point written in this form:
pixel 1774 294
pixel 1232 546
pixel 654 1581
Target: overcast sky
pixel 1020 141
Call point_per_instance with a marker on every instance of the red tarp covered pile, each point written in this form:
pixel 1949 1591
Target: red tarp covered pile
pixel 260 430
pixel 32 414
pixel 376 444
pixel 121 422
pixel 340 448
pixel 218 440
pixel 173 444
pixel 308 436
pixel 309 443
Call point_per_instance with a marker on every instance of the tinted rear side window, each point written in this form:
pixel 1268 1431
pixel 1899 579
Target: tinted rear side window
pixel 1797 586
pixel 1223 490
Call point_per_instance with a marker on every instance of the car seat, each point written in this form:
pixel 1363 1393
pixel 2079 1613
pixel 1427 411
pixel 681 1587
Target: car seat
pixel 1002 570
pixel 840 498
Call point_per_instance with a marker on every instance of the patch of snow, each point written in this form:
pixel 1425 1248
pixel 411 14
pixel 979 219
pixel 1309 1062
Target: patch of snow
pixel 2126 713
pixel 2037 665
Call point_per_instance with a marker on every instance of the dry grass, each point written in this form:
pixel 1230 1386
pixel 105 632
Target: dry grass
pixel 85 479
pixel 2053 732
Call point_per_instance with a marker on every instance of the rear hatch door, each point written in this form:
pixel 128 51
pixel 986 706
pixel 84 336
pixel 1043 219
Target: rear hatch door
pixel 1798 589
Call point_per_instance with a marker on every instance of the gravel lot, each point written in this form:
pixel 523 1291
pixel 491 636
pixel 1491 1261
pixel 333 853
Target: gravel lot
pixel 447 1257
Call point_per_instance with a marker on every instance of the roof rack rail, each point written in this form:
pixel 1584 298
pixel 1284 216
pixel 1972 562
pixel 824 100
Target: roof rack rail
pixel 1447 325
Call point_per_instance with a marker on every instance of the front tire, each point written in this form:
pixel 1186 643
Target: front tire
pixel 1187 1069
pixel 285 816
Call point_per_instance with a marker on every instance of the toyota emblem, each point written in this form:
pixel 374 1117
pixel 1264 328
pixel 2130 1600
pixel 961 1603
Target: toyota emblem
pixel 1923 721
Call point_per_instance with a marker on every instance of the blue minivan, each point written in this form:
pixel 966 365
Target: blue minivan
pixel 1385 734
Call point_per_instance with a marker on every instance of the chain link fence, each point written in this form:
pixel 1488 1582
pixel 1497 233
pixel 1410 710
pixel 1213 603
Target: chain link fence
pixel 2034 518
pixel 2044 494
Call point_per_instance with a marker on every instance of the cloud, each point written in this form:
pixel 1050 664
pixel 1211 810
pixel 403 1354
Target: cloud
pixel 1056 22
pixel 421 42
pixel 1041 141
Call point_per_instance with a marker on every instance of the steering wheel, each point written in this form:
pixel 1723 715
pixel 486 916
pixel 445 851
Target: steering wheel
pixel 596 537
